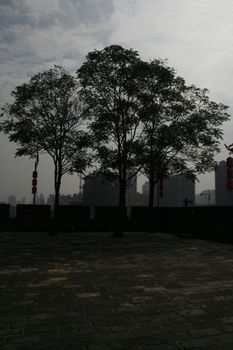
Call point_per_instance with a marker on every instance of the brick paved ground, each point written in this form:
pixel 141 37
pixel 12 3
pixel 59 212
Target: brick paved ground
pixel 96 292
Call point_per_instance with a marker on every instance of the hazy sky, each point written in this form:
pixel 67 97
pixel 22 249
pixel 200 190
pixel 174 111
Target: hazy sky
pixel 195 35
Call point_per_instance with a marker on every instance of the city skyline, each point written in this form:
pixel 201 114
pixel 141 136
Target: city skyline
pixel 177 189
pixel 36 35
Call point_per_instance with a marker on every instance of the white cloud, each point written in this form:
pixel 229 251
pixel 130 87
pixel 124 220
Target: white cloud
pixel 195 35
pixel 41 7
pixel 27 48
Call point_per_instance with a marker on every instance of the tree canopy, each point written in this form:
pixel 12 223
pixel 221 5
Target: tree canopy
pixel 181 127
pixel 45 117
pixel 110 84
pixel 140 116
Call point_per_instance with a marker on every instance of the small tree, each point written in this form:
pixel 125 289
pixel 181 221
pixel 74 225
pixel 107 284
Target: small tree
pixel 181 127
pixel 109 88
pixel 45 117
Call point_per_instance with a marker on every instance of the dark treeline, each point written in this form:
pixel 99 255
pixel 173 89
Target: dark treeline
pixel 123 114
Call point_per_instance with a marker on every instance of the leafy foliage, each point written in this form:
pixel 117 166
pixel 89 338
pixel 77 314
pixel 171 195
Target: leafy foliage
pixel 181 126
pixel 45 117
pixel 110 85
pixel 141 116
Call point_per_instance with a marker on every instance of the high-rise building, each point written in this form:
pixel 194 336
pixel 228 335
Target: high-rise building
pixel 178 191
pixel 12 200
pixel 98 190
pixel 146 188
pixel 131 193
pixel 224 196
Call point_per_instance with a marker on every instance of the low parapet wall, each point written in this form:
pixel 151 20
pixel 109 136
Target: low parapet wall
pixel 73 218
pixel 4 212
pixel 31 217
pixel 208 221
pixel 109 218
pixel 32 212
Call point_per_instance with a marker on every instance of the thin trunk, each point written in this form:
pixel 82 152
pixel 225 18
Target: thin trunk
pixel 120 218
pixel 122 194
pixel 151 192
pixel 57 193
pixel 150 217
pixel 57 186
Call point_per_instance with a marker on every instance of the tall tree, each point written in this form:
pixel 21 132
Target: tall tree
pixel 181 127
pixel 45 117
pixel 109 87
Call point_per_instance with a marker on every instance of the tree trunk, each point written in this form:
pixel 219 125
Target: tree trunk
pixel 57 185
pixel 120 217
pixel 150 217
pixel 151 192
pixel 122 195
pixel 57 194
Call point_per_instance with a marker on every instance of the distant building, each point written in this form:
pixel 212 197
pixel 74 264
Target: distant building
pixel 205 198
pixel 76 199
pixel 141 200
pixel 98 190
pixel 178 192
pixel 131 194
pixel 224 196
pixel 12 200
pixel 51 199
pixel 65 199
pixel 146 188
pixel 40 200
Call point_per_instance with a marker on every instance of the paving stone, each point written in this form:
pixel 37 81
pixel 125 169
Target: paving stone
pixel 197 343
pixel 226 338
pixel 219 347
pixel 198 333
pixel 92 291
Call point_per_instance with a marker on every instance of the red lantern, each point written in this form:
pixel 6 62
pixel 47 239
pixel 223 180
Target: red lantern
pixel 34 182
pixel 230 173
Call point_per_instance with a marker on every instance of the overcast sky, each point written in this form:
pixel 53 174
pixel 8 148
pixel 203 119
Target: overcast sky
pixel 195 35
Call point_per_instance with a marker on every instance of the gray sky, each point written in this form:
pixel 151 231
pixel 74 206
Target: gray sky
pixel 195 35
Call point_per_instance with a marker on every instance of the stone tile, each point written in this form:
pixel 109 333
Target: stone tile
pixel 92 291
pixel 198 333
pixel 197 343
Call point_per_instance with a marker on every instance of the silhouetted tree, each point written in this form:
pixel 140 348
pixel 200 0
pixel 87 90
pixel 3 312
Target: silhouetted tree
pixel 109 88
pixel 45 117
pixel 181 127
